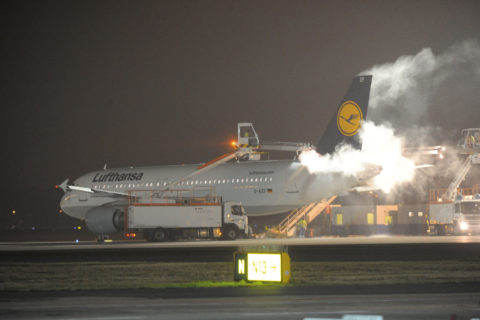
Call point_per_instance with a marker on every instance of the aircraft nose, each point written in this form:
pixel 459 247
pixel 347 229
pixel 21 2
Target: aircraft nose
pixel 64 201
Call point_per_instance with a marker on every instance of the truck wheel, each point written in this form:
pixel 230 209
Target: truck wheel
pixel 147 235
pixel 158 235
pixel 174 235
pixel 230 233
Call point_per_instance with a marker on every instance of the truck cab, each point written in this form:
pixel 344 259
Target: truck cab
pixel 235 221
pixel 467 214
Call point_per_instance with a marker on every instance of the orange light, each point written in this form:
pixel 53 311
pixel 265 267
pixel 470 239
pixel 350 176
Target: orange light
pixel 234 143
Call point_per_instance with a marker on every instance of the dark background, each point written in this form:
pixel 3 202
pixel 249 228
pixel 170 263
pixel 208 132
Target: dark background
pixel 124 83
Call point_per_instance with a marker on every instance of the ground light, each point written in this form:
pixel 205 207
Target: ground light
pixel 259 266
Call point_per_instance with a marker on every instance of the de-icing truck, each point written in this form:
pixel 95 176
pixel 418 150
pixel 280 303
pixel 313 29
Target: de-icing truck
pixel 462 216
pixel 184 214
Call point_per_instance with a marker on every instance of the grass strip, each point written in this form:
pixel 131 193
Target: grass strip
pixel 134 275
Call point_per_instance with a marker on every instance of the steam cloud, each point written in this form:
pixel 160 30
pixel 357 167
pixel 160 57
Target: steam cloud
pixel 425 99
pixel 381 148
pixel 428 98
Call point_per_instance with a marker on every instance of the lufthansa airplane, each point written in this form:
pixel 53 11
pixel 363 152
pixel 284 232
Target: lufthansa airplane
pixel 264 187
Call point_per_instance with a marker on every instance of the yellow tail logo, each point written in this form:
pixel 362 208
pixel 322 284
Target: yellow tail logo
pixel 349 118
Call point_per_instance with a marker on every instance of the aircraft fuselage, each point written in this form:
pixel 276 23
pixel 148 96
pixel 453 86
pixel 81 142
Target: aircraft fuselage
pixel 263 187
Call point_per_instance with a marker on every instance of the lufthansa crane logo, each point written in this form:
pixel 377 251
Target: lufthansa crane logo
pixel 349 118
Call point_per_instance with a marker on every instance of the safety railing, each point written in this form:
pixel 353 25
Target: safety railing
pixel 309 212
pixel 174 197
pixel 437 195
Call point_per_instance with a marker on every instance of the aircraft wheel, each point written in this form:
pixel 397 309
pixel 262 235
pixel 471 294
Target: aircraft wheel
pixel 159 235
pixel 230 233
pixel 250 233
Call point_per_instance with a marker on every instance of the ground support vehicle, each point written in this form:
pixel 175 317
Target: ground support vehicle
pixel 166 216
pixel 461 216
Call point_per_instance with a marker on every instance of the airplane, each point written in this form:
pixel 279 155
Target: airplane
pixel 264 187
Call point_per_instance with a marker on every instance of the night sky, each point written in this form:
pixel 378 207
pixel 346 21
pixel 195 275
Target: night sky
pixel 125 83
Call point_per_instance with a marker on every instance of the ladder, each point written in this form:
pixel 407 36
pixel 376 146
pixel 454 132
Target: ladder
pixel 309 211
pixel 452 188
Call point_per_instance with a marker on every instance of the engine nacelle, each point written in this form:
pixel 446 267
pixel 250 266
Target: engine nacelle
pixel 102 220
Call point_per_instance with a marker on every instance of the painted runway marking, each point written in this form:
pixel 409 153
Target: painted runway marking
pixel 248 314
pixel 105 318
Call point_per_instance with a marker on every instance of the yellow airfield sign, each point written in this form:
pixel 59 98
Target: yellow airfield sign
pixel 274 267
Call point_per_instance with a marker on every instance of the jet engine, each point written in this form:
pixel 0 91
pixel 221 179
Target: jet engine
pixel 104 220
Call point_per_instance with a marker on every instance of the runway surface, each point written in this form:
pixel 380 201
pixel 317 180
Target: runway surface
pixel 429 301
pixel 311 249
pixel 107 307
pixel 320 241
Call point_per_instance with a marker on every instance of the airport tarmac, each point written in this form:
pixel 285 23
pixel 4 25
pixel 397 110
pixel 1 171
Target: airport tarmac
pixel 319 241
pixel 103 306
pixel 375 248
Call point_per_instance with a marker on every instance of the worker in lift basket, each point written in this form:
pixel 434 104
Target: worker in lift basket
pixel 301 228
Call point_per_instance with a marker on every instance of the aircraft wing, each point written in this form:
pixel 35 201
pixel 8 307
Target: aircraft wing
pixel 361 189
pixel 66 187
pixel 207 166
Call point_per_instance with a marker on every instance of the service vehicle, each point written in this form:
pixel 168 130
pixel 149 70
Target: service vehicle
pixel 183 214
pixel 462 216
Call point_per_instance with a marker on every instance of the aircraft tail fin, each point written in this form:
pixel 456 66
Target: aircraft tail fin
pixel 347 121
